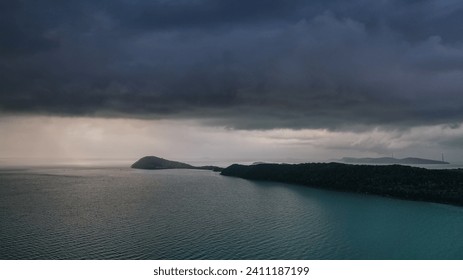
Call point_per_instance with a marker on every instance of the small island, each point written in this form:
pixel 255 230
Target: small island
pixel 391 160
pixel 153 162
pixel 405 182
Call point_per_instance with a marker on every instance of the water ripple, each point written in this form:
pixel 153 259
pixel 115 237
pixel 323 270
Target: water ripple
pixel 191 214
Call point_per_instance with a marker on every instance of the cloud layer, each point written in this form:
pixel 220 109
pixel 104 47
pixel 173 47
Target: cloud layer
pixel 49 140
pixel 241 64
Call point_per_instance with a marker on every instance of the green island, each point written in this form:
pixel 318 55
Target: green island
pixel 399 181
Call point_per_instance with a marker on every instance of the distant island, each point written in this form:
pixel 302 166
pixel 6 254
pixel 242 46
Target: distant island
pixel 391 160
pixel 405 182
pixel 152 162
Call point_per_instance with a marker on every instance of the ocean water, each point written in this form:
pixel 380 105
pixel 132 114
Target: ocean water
pixel 121 213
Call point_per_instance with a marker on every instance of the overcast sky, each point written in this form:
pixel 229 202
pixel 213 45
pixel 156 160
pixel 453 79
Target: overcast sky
pixel 226 79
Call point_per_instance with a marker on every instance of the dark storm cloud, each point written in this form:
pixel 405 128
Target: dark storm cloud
pixel 243 64
pixel 157 15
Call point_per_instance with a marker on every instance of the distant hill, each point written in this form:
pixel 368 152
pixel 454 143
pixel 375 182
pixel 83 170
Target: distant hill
pixel 406 182
pixel 258 162
pixel 152 162
pixel 391 160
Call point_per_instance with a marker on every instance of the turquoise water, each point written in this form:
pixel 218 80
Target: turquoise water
pixel 120 213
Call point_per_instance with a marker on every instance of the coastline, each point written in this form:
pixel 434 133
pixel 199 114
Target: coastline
pixel 397 181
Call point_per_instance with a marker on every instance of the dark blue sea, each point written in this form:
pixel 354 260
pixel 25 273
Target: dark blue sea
pixel 121 213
